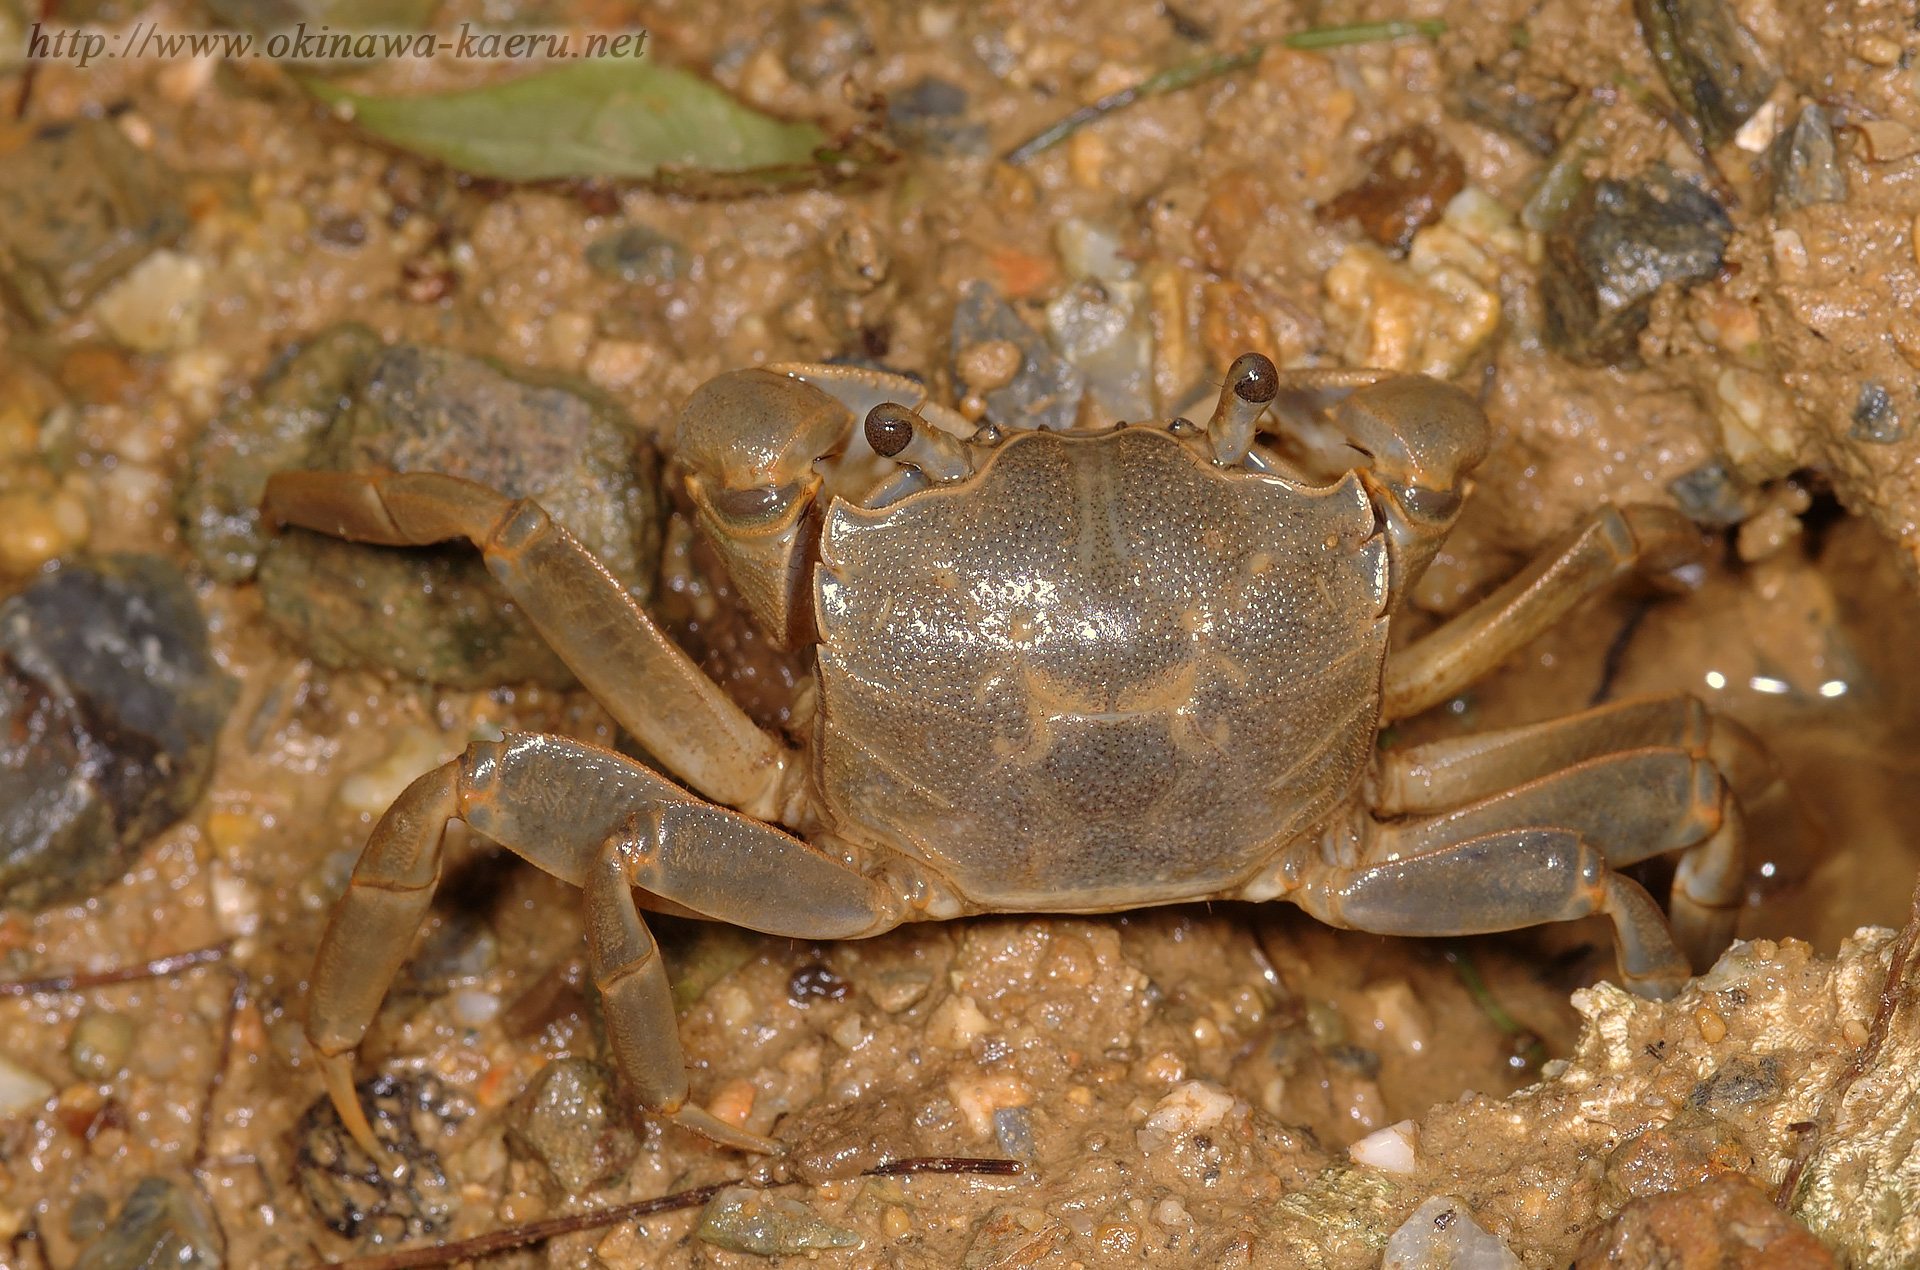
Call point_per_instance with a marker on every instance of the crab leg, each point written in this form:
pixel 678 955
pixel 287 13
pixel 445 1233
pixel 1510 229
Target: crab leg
pixel 1611 543
pixel 645 681
pixel 601 821
pixel 1502 881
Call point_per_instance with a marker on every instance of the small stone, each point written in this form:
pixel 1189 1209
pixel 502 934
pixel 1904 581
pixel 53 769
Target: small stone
pixel 1687 1150
pixel 1046 392
pixel 897 990
pixel 79 206
pixel 1442 1235
pixel 1875 420
pixel 1189 1108
pixel 569 1120
pixel 110 702
pixel 1806 164
pixel 929 115
pixel 1525 107
pixel 21 1089
pixel 351 1192
pixel 1716 69
pixel 1103 329
pixel 458 950
pixel 741 1219
pixel 157 306
pixel 1410 179
pixel 637 253
pixel 164 1223
pixel 1711 496
pixel 1013 1130
pixel 1613 249
pixel 815 982
pixel 823 41
pixel 98 1047
pixel 1391 1150
pixel 1726 1223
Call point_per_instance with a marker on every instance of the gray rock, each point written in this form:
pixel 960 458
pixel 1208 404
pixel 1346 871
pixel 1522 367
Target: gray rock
pixel 345 403
pixel 823 41
pixel 637 253
pixel 1875 419
pixel 164 1224
pixel 1806 165
pixel 1714 66
pixel 569 1120
pixel 461 948
pixel 1046 391
pixel 349 1191
pixel 930 115
pixel 1613 249
pixel 1712 496
pixel 745 1220
pixel 1013 1130
pixel 79 206
pixel 1525 109
pixel 271 431
pixel 110 703
pixel 1442 1235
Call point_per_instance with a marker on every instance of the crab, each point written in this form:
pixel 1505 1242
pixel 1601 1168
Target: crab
pixel 1070 672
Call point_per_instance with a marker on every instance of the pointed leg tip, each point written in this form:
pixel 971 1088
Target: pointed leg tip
pixel 714 1129
pixel 337 1071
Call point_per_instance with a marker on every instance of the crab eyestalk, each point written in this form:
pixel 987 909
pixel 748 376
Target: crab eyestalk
pixel 897 433
pixel 1252 383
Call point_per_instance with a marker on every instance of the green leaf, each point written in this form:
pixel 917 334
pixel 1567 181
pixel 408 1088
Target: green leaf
pixel 600 118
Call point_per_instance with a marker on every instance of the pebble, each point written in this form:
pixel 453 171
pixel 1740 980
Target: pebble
pixel 1726 1223
pixel 345 402
pixel 1013 1130
pixel 164 1223
pixel 1189 1108
pixel 1614 247
pixel 1442 1235
pixel 1716 69
pixel 1391 1150
pixel 1046 391
pixel 21 1089
pixel 637 253
pixel 1806 163
pixel 356 1197
pixel 79 206
pixel 897 990
pixel 98 1047
pixel 570 1122
pixel 745 1220
pixel 157 306
pixel 110 702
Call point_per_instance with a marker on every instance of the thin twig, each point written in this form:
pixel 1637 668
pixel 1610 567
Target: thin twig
pixel 236 1002
pixel 1864 1060
pixel 535 1232
pixel 948 1164
pixel 531 1233
pixel 1213 66
pixel 158 968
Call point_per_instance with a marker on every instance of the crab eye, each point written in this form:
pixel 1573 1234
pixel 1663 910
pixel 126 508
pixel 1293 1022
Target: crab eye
pixel 1254 379
pixel 748 504
pixel 889 428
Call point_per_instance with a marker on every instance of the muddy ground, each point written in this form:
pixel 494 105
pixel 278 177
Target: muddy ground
pixel 1182 1085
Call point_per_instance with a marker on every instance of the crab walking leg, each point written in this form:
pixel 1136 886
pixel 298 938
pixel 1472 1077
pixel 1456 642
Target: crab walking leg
pixel 1707 890
pixel 1631 806
pixel 630 666
pixel 1503 881
pixel 642 1025
pixel 558 803
pixel 1613 542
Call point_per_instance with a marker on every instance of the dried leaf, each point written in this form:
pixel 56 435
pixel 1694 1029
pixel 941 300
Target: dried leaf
pixel 601 118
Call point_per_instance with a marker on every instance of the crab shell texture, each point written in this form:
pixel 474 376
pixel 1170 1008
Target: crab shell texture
pixel 1101 672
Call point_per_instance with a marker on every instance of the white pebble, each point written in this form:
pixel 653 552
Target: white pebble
pixel 21 1089
pixel 474 1008
pixel 1191 1107
pixel 1391 1150
pixel 1442 1235
pixel 156 307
